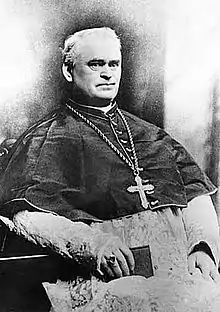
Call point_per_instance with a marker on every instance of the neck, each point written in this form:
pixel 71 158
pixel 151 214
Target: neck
pixel 93 110
pixel 87 101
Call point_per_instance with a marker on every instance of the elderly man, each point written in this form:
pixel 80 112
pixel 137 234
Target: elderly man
pixel 95 184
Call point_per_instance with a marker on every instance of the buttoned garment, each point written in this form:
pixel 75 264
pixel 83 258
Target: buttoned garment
pixel 62 165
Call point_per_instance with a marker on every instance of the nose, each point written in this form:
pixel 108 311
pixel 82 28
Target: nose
pixel 106 72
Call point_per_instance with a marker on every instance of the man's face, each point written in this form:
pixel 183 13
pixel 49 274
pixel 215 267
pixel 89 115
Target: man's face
pixel 97 70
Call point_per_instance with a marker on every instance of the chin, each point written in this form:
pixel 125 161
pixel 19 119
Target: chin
pixel 106 95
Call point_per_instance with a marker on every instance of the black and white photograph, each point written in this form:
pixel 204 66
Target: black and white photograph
pixel 109 155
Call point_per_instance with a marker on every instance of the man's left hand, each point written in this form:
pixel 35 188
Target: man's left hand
pixel 201 261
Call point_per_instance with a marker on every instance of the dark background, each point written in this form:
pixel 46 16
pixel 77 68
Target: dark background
pixel 139 24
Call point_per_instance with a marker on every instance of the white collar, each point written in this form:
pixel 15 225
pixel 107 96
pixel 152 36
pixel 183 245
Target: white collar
pixel 104 109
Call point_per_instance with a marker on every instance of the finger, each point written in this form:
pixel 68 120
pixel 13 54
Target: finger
pixel 192 265
pixel 114 266
pixel 215 275
pixel 206 273
pixel 106 268
pixel 205 270
pixel 129 257
pixel 115 269
pixel 122 263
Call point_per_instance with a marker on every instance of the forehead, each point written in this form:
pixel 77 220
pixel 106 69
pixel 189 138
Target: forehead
pixel 95 47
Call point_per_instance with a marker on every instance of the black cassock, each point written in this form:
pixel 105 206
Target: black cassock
pixel 62 165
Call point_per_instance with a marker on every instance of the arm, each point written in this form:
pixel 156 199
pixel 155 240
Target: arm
pixel 86 246
pixel 45 180
pixel 202 232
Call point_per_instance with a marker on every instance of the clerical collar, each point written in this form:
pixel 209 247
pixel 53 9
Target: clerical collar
pixel 101 112
pixel 103 109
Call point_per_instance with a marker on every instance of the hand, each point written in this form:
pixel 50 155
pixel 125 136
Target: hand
pixel 115 258
pixel 202 261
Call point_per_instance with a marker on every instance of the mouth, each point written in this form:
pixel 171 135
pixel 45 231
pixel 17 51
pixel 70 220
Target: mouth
pixel 106 84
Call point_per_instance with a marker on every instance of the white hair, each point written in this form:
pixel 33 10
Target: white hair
pixel 72 44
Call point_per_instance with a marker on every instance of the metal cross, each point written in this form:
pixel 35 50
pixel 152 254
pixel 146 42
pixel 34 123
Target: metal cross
pixel 141 189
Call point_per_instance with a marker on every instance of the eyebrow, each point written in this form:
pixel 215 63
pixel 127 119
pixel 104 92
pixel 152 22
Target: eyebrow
pixel 94 60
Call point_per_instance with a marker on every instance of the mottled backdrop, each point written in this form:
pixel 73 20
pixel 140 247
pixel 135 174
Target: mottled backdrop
pixel 31 37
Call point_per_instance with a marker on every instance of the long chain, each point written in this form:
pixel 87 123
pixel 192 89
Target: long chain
pixel 133 166
pixel 136 165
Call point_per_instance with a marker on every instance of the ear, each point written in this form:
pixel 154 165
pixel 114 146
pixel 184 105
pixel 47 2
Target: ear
pixel 67 73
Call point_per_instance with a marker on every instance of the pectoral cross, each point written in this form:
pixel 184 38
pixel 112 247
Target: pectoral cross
pixel 141 189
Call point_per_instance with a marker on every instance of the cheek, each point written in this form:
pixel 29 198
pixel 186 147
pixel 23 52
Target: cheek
pixel 80 74
pixel 118 74
pixel 118 78
pixel 84 80
pixel 92 79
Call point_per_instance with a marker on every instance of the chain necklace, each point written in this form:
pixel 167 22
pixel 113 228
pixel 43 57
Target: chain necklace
pixel 139 187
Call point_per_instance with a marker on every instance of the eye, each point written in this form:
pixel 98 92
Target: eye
pixel 96 64
pixel 114 64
